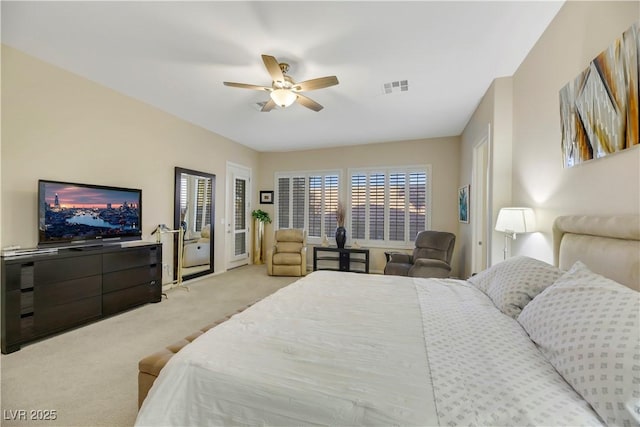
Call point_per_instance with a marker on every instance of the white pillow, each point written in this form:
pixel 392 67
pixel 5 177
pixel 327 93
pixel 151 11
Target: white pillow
pixel 588 327
pixel 511 284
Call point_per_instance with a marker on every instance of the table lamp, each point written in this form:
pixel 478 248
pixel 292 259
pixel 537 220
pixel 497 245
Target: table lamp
pixel 512 221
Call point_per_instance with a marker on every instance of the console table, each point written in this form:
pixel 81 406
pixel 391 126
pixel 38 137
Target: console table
pixel 342 259
pixel 47 293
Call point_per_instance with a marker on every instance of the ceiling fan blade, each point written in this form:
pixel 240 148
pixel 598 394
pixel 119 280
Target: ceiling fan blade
pixel 273 67
pixel 308 102
pixel 247 86
pixel 318 83
pixel 270 105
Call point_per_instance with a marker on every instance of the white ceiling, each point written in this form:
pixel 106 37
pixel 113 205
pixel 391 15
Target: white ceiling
pixel 175 56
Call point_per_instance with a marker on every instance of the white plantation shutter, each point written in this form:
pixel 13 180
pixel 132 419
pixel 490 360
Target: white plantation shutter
pixel 386 206
pixel 417 203
pixel 315 206
pixel 240 245
pixel 389 205
pixel 298 202
pixel 358 206
pixel 183 192
pixel 330 204
pixel 376 206
pixel 307 200
pixel 203 203
pixel 397 206
pixel 284 201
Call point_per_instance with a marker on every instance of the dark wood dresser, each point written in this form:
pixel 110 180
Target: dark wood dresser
pixel 43 294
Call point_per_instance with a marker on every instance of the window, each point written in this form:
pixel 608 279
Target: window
pixel 194 207
pixel 240 217
pixel 386 206
pixel 308 200
pixel 389 205
pixel 203 201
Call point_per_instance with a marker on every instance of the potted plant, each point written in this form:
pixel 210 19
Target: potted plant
pixel 260 217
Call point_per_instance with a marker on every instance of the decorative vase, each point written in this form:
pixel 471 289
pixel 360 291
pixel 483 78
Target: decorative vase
pixel 258 239
pixel 341 236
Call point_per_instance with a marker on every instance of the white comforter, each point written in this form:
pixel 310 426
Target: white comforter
pixel 353 349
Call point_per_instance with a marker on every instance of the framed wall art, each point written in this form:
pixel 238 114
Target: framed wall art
pixel 463 204
pixel 599 112
pixel 266 197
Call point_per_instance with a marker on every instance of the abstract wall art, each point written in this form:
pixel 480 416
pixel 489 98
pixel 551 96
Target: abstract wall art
pixel 463 204
pixel 599 109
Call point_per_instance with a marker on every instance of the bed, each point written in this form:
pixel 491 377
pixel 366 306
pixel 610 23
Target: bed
pixel 521 343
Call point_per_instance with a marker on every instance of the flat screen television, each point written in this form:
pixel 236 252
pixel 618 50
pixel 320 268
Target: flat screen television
pixel 76 214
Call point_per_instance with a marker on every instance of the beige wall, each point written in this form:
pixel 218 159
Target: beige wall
pixel 493 118
pixel 523 113
pixel 58 126
pixel 441 153
pixel 580 31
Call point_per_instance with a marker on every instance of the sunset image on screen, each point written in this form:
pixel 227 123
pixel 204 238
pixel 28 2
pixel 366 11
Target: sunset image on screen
pixel 69 196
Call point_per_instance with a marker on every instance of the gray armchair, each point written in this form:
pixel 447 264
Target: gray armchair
pixel 431 256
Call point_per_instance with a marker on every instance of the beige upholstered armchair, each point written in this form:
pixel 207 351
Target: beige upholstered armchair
pixel 288 256
pixel 431 256
pixel 196 251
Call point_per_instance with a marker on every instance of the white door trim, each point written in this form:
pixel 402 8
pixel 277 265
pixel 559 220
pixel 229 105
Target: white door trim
pixel 480 202
pixel 234 171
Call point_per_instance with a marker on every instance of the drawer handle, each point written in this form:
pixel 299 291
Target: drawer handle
pixel 153 282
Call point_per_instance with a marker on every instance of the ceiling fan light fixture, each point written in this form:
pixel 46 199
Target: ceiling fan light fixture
pixel 283 97
pixel 284 91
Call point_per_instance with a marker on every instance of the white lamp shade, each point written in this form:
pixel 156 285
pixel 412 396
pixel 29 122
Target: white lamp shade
pixel 283 97
pixel 516 220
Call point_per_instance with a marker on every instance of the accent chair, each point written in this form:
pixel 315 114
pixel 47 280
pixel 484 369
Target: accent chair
pixel 288 256
pixel 430 258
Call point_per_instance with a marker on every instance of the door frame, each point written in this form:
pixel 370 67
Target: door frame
pixel 480 202
pixel 235 170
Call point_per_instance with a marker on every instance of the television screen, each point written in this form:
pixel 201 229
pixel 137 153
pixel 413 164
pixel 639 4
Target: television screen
pixel 76 213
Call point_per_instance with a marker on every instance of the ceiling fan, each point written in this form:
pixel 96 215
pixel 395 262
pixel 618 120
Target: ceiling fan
pixel 284 91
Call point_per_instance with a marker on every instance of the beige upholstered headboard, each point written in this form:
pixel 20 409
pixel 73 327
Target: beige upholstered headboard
pixel 608 245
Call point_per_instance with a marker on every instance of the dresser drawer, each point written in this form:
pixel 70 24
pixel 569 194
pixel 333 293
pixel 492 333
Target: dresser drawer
pixel 115 302
pixel 52 294
pixel 129 258
pixel 123 279
pixel 11 312
pixel 18 276
pixel 49 319
pixel 62 269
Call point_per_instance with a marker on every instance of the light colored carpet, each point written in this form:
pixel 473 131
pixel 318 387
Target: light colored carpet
pixel 89 375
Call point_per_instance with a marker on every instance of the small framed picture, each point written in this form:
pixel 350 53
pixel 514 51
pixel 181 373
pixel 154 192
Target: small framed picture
pixel 266 197
pixel 463 204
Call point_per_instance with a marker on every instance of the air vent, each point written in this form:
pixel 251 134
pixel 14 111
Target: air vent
pixel 397 86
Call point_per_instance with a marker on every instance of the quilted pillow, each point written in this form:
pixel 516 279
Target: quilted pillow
pixel 511 284
pixel 588 327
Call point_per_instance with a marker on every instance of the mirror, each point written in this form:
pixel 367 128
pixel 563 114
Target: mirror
pixel 194 212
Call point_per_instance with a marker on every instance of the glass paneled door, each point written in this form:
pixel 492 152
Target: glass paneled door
pixel 239 217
